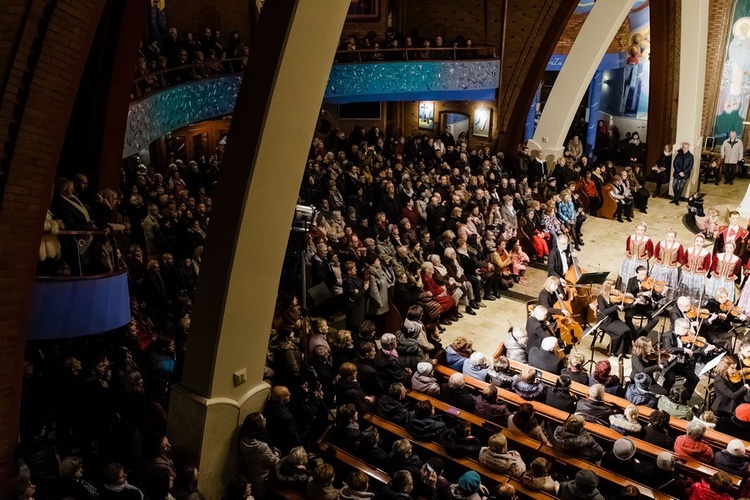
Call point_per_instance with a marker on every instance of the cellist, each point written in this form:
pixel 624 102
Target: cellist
pixel 551 293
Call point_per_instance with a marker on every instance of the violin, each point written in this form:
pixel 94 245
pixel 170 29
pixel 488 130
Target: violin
pixel 695 313
pixel 729 308
pixel 657 286
pixel 739 375
pixel 618 297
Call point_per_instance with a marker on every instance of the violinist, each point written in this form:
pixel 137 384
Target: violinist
pixel 744 354
pixel 644 304
pixel 726 270
pixel 645 359
pixel 730 387
pixel 608 310
pixel 668 257
pixel 684 361
pixel 681 310
pixel 695 267
pixel 721 320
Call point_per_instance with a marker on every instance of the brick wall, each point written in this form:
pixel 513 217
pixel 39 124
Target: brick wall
pixel 452 19
pixel 719 21
pixel 12 14
pixel 185 16
pixel 411 121
pixel 32 170
pixel 619 43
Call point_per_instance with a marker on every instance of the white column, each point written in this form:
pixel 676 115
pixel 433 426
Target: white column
pixel 591 44
pixel 693 41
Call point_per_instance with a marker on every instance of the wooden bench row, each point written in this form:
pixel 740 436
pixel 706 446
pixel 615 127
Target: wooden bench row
pixel 553 455
pixel 717 440
pixel 686 465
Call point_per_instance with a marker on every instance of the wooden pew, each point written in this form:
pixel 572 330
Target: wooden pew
pixel 716 439
pixel 338 453
pixel 609 207
pixel 521 440
pixel 466 463
pixel 686 465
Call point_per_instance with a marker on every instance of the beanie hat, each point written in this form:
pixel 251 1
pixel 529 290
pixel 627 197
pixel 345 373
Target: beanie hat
pixel 742 412
pixel 736 448
pixel 586 481
pixel 549 343
pixel 642 381
pixel 424 368
pixel 665 461
pixel 470 482
pixel 624 449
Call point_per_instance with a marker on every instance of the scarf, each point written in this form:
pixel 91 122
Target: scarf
pixel 391 353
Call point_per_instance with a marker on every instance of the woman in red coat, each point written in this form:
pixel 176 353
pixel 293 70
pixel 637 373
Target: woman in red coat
pixel 716 488
pixel 439 293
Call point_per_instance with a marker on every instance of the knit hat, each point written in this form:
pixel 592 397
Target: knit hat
pixel 665 461
pixel 470 482
pixel 642 381
pixel 424 368
pixel 586 481
pixel 624 449
pixel 742 412
pixel 549 343
pixel 736 448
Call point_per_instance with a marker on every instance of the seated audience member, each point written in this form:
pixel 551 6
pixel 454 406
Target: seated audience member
pixel 346 430
pixel 515 344
pixel 401 485
pixel 548 357
pixel 424 424
pixel 573 438
pixel 500 374
pixel 560 397
pixel 732 459
pixel 320 484
pixel 718 487
pixel 391 406
pixel 186 484
pixel 504 492
pixel 621 460
pixel 457 352
pixel 657 431
pixel 239 489
pixel 291 471
pixel 469 486
pixel 538 478
pixel 603 375
pixel 368 448
pixel 459 441
pixel 676 404
pixel 348 389
pixel 487 405
pixel 455 394
pixel 739 424
pixel 401 458
pixel 663 477
pixel 526 385
pixel 594 409
pixel 584 486
pixel 367 373
pixel 355 487
pixel 627 423
pixel 639 392
pixel 116 486
pixel 258 454
pixel 387 363
pixel 71 483
pixel 691 443
pixel 575 369
pixel 498 457
pixel 423 381
pixel 524 421
pixel 280 423
pixel 476 366
pixel 707 418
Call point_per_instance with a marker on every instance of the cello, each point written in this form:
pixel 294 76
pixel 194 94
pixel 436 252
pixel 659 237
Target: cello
pixel 571 332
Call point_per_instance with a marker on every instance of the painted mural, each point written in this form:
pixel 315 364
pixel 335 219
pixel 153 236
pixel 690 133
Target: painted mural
pixel 734 93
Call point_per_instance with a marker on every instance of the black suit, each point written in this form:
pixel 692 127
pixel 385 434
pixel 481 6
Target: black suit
pixel 536 333
pixel 679 366
pixel 555 263
pixel 537 171
pixel 545 360
pixel 634 286
pixel 617 330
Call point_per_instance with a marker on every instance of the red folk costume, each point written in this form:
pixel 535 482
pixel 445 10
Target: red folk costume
pixel 696 262
pixel 670 256
pixel 725 233
pixel 726 267
pixel 642 247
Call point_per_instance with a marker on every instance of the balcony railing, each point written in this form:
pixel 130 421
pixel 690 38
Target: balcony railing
pixel 416 54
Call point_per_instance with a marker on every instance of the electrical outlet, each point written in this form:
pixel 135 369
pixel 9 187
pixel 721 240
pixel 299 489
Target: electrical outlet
pixel 240 377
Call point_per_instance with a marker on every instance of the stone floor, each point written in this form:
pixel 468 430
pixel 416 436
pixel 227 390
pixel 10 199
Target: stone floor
pixel 603 251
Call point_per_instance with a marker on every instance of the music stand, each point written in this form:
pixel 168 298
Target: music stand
pixel 588 331
pixel 597 278
pixel 709 368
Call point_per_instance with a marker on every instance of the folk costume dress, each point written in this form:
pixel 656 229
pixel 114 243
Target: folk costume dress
pixel 668 258
pixel 694 270
pixel 725 270
pixel 638 250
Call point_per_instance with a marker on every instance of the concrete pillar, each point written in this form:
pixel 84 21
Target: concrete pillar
pixel 280 98
pixel 595 95
pixel 693 43
pixel 531 117
pixel 590 45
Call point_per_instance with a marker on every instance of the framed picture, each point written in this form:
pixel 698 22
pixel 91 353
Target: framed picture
pixel 427 115
pixel 364 11
pixel 482 121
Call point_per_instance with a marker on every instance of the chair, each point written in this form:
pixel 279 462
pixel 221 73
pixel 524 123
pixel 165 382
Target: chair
pixel 609 204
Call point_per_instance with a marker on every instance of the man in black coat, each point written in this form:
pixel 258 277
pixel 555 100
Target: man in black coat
pixel 455 394
pixel 560 258
pixel 437 215
pixel 391 406
pixel 537 327
pixel 537 169
pixel 280 423
pixel 545 357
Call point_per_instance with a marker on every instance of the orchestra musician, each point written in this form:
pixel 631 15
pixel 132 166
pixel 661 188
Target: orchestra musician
pixel 538 327
pixel 560 258
pixel 733 232
pixel 680 310
pixel 644 305
pixel 744 300
pixel 695 266
pixel 716 327
pixel 726 271
pixel 684 361
pixel 743 355
pixel 554 289
pixel 730 387
pixel 644 359
pixel 638 250
pixel 618 331
pixel 668 257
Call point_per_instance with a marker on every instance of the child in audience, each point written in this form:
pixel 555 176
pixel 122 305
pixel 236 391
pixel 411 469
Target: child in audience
pixel 520 260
